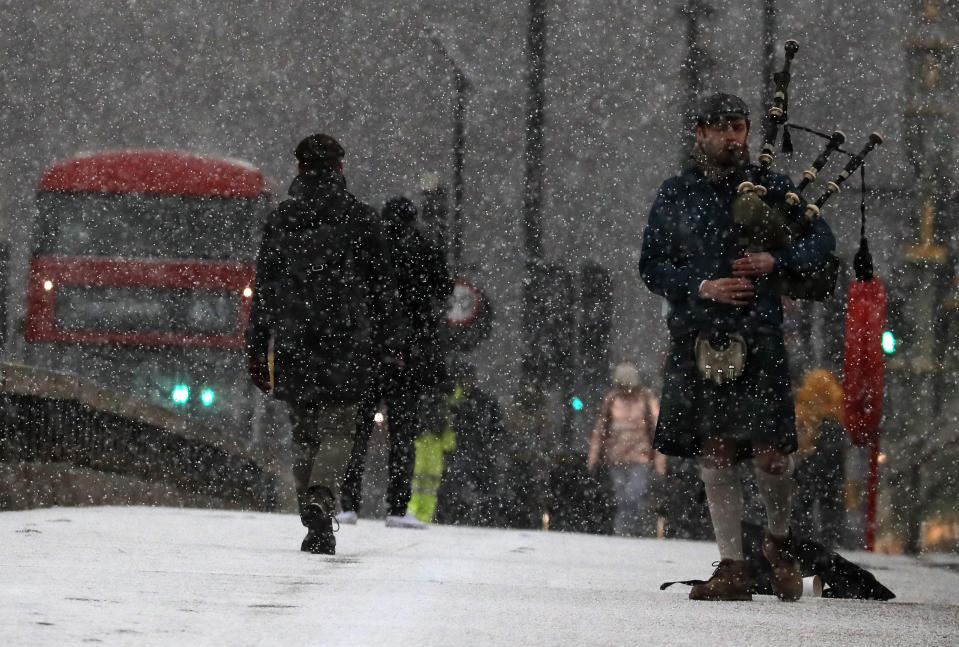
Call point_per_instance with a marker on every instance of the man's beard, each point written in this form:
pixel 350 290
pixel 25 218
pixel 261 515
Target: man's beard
pixel 720 164
pixel 728 156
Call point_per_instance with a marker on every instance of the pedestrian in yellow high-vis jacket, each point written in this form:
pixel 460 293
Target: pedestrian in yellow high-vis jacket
pixel 428 470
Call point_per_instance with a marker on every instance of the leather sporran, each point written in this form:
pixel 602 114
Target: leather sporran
pixel 720 358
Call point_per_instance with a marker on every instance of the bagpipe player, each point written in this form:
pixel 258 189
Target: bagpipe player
pixel 723 257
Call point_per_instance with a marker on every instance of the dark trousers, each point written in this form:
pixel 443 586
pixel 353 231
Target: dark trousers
pixel 402 403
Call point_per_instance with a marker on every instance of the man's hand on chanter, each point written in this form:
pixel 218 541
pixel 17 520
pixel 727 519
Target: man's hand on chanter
pixel 754 264
pixel 734 291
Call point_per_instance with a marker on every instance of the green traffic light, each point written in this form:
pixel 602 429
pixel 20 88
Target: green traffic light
pixel 207 396
pixel 181 393
pixel 888 342
pixel 576 403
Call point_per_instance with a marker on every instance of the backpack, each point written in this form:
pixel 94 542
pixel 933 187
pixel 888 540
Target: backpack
pixel 324 337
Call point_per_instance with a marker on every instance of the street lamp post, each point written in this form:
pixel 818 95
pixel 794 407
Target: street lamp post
pixel 695 67
pixel 769 51
pixel 697 63
pixel 535 100
pixel 461 87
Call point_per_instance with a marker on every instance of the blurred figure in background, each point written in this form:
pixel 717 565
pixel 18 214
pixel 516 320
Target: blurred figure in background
pixel 530 446
pixel 820 513
pixel 622 441
pixel 432 445
pixel 423 283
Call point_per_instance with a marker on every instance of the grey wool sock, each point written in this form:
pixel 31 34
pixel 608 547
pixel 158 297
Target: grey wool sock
pixel 724 493
pixel 776 492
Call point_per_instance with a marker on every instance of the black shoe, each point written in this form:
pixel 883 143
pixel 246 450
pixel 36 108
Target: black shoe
pixel 319 543
pixel 319 540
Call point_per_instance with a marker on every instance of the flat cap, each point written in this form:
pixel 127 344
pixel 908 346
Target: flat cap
pixel 719 106
pixel 319 149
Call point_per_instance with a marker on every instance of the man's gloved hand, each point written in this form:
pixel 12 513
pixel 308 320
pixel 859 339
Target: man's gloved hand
pixel 259 371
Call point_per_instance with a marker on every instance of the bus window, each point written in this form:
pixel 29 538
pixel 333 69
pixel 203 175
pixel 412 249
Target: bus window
pixel 149 226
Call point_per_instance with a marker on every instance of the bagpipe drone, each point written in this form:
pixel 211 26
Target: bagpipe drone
pixel 763 224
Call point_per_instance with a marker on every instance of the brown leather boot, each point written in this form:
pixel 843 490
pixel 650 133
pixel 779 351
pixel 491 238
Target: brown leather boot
pixel 731 581
pixel 786 577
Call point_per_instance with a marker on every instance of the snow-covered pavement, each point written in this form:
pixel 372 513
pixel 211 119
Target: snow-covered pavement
pixel 160 576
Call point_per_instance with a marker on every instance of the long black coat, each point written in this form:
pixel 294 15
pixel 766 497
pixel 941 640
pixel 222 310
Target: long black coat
pixel 324 293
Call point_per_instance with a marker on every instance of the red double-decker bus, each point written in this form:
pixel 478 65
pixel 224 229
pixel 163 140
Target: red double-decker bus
pixel 142 273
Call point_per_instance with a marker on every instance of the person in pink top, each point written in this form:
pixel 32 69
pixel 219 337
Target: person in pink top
pixel 622 441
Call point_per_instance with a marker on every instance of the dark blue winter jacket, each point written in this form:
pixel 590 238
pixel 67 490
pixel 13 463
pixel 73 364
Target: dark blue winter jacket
pixel 691 237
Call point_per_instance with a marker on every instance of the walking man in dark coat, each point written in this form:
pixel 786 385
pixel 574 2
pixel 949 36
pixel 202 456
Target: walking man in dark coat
pixel 322 313
pixel 726 389
pixel 423 284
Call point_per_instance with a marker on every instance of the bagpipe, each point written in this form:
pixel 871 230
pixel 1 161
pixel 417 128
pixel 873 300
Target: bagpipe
pixel 766 221
pixel 765 225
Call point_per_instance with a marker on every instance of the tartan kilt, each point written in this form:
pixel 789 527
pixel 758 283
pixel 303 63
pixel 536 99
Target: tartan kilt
pixel 756 407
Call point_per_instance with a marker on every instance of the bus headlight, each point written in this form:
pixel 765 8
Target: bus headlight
pixel 180 394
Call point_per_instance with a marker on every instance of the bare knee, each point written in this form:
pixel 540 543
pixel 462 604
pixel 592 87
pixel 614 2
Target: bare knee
pixel 772 461
pixel 718 453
